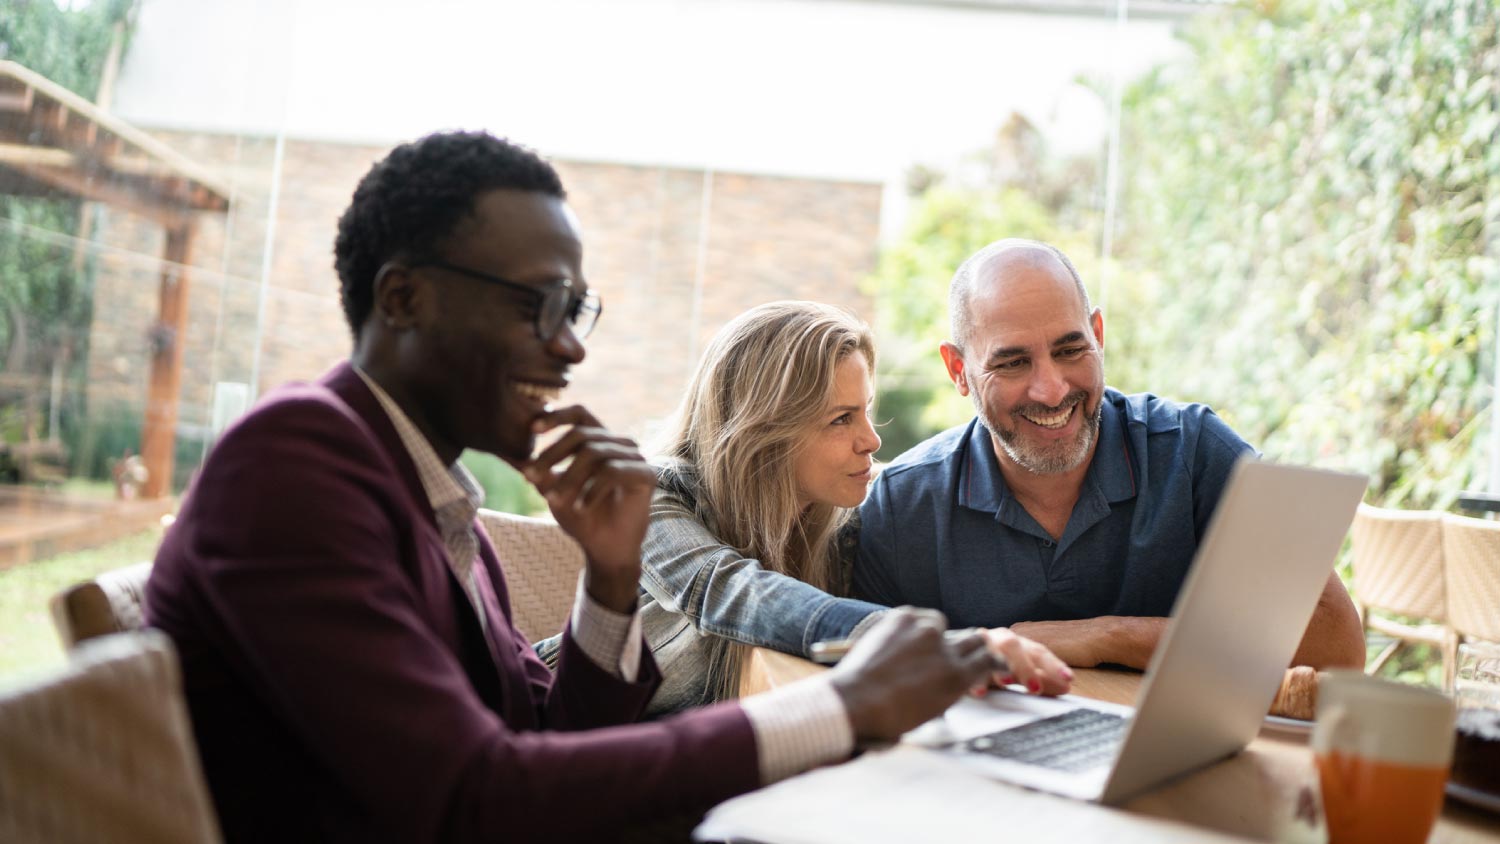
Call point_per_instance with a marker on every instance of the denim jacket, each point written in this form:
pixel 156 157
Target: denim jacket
pixel 697 591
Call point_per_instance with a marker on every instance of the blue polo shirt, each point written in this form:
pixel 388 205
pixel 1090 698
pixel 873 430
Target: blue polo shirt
pixel 940 529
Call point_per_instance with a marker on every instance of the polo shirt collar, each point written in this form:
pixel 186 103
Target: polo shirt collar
pixel 1113 469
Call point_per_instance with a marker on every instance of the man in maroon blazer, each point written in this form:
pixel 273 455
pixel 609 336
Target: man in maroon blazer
pixel 346 640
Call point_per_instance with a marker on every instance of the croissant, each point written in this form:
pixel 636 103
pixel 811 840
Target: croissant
pixel 1298 695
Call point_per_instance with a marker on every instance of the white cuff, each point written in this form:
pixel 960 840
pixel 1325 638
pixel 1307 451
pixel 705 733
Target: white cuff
pixel 799 726
pixel 611 639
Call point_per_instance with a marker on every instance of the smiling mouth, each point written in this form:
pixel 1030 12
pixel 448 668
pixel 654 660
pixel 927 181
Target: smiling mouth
pixel 536 391
pixel 1051 421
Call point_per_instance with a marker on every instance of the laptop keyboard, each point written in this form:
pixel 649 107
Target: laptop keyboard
pixel 1073 741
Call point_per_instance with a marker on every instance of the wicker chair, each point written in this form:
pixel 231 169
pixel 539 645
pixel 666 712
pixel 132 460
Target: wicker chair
pixel 103 751
pixel 541 566
pixel 113 602
pixel 1398 568
pixel 1472 550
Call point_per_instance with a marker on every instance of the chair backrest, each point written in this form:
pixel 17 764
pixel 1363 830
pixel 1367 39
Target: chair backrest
pixel 102 751
pixel 113 602
pixel 1472 548
pixel 541 566
pixel 1398 561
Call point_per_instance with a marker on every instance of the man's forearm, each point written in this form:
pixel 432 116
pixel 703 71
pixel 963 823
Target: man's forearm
pixel 1131 640
pixel 1085 643
pixel 1334 637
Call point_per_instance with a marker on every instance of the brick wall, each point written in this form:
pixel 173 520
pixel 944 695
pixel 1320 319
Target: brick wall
pixel 675 253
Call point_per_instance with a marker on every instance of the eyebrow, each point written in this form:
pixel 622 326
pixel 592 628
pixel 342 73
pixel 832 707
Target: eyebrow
pixel 1016 351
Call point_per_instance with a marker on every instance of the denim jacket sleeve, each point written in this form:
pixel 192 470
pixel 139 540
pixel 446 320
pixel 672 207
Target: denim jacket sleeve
pixel 687 570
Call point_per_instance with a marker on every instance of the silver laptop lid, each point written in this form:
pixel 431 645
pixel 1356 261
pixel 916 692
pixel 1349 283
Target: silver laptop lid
pixel 1241 612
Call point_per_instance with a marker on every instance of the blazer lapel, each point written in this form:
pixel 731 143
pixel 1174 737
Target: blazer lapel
pixel 485 674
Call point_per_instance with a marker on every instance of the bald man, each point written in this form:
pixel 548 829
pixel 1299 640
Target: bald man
pixel 1065 510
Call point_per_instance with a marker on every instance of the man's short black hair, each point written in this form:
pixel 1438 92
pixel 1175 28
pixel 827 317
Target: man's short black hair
pixel 415 197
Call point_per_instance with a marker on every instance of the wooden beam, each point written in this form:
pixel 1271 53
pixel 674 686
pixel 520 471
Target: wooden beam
pixel 135 184
pixel 168 338
pixel 16 96
pixel 54 96
pixel 72 178
pixel 22 155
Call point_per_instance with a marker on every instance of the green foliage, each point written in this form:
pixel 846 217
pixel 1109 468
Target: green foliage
pixel 45 294
pixel 68 46
pixel 1309 241
pixel 1314 207
pixel 504 488
pixel 96 442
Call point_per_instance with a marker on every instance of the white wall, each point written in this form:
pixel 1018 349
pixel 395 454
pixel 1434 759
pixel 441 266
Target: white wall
pixel 799 87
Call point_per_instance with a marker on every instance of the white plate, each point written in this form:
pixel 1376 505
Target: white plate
pixel 1290 728
pixel 1473 796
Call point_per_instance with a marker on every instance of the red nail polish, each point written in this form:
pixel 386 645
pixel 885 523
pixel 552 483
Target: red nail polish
pixel 1033 685
pixel 1007 679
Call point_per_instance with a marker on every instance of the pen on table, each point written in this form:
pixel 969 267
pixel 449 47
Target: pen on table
pixel 829 651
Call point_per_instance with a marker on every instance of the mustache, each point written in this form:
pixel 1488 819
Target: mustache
pixel 1039 409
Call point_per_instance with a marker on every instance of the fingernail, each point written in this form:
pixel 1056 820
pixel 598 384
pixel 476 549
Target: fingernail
pixel 1034 685
pixel 1008 679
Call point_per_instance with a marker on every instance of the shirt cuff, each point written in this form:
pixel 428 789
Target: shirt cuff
pixel 799 726
pixel 611 639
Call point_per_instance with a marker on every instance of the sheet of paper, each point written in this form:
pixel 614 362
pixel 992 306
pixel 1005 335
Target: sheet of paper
pixel 909 794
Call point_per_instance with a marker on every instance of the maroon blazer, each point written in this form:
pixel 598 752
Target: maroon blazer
pixel 340 684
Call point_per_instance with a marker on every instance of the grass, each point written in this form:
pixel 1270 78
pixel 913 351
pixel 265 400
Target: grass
pixel 28 641
pixel 87 488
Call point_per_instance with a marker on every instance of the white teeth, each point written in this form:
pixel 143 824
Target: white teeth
pixel 541 392
pixel 1057 421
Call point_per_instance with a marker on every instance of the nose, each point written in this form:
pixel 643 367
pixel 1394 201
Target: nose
pixel 566 345
pixel 1048 386
pixel 866 441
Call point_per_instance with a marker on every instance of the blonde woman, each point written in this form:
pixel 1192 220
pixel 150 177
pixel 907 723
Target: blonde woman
pixel 751 541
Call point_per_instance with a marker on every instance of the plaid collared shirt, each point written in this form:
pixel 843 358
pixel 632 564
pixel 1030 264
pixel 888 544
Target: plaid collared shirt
pixel 452 491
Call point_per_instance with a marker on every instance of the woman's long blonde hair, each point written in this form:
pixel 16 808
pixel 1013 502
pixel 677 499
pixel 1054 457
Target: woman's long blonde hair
pixel 761 389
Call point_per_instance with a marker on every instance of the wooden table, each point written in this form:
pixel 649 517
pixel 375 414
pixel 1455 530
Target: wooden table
pixel 1251 796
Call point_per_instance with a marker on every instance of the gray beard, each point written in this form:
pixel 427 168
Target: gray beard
pixel 1062 457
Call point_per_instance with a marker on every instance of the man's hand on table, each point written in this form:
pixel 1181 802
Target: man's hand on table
pixel 1085 643
pixel 601 497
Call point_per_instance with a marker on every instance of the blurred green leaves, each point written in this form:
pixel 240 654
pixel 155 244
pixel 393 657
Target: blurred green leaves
pixel 1309 241
pixel 1317 195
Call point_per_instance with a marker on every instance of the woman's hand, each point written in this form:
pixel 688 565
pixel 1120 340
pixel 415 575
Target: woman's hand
pixel 1031 664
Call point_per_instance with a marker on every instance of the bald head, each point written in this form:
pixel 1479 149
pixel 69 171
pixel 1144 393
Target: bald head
pixel 996 261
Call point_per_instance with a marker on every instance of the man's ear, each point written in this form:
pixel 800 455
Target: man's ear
pixel 1096 320
pixel 953 360
pixel 398 295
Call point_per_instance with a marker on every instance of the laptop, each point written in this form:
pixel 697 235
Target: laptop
pixel 1237 622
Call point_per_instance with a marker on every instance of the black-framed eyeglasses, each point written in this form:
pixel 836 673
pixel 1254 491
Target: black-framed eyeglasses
pixel 555 303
